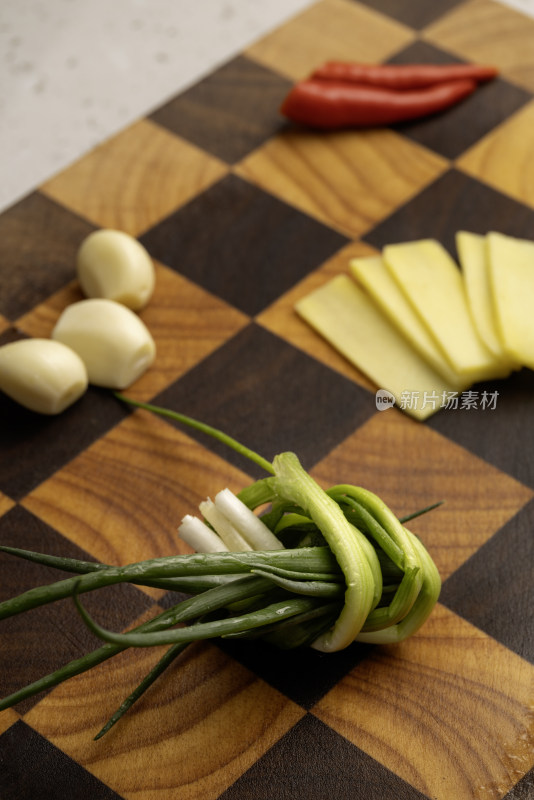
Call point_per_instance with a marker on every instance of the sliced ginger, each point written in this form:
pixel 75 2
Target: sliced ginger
pixel 433 284
pixel 512 279
pixel 347 318
pixel 375 277
pixel 425 330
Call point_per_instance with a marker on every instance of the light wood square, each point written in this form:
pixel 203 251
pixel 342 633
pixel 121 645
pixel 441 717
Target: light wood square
pixel 7 719
pixel 504 158
pixel 199 728
pixel 135 179
pixel 186 322
pixel 40 321
pixel 349 180
pixel 282 319
pixel 5 503
pixel 478 499
pixel 449 710
pixel 489 32
pixel 123 498
pixel 330 30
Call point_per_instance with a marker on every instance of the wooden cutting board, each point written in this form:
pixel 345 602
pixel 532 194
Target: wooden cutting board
pixel 244 214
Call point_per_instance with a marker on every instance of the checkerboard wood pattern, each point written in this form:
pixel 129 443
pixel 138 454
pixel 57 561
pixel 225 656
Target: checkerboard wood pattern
pixel 244 214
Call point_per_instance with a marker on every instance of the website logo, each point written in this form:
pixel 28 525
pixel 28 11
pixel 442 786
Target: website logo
pixel 384 399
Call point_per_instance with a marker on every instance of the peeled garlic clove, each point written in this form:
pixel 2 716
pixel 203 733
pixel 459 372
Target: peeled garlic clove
pixel 113 265
pixel 42 375
pixel 114 344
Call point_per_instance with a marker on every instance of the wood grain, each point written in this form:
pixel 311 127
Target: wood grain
pixel 427 709
pixel 505 157
pixel 491 33
pixel 38 243
pixel 349 181
pixel 7 719
pixel 329 30
pixel 477 498
pixel 40 321
pixel 135 179
pixel 207 722
pixel 282 319
pixel 229 112
pixel 95 500
pixel 5 503
pixel 187 324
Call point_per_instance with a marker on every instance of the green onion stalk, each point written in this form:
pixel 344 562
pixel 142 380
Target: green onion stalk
pixel 283 561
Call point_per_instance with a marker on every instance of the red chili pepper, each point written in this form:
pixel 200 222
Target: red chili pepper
pixel 402 76
pixel 332 104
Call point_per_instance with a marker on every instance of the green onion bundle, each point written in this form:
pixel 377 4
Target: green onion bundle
pixel 283 560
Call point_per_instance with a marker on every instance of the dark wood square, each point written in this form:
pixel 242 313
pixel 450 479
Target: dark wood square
pixel 451 132
pixel 293 403
pixel 230 112
pixel 504 435
pixel 453 202
pixel 56 439
pixel 327 765
pixel 38 244
pixel 304 675
pixel 32 768
pixel 242 244
pixel 43 639
pixel 495 586
pixel 414 13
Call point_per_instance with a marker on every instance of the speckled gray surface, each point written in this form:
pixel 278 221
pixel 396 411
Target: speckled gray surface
pixel 76 71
